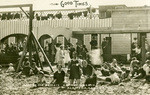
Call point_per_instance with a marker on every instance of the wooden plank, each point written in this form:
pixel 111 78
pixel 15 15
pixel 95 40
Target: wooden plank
pixel 143 50
pixel 36 50
pixel 24 53
pixel 47 60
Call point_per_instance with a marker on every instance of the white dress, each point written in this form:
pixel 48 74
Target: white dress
pixel 41 56
pixel 66 56
pixel 95 57
pixel 57 56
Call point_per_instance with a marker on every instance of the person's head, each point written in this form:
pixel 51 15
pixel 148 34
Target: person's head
pixel 112 71
pixel 26 59
pixel 138 46
pixel 104 39
pixel 135 39
pixel 41 74
pixel 47 42
pixel 2 51
pixel 80 56
pixel 21 48
pixel 123 68
pixel 74 55
pixel 84 63
pixel 61 47
pixel 84 46
pixel 127 71
pixel 10 64
pixel 27 64
pixel 59 67
pixel 148 62
pixel 58 45
pixel 71 46
pixel 136 62
pixel 114 61
pixel 67 47
pixel 34 64
pixel 134 58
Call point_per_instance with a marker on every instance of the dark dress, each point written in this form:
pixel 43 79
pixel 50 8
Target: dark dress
pixel 71 52
pixel 78 50
pixel 26 71
pixel 74 70
pixel 84 51
pixel 59 77
pixel 90 81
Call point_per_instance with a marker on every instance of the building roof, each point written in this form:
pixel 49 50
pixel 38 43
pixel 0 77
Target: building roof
pixel 107 31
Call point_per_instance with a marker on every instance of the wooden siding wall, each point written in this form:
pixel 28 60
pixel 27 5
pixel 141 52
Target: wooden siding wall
pixel 130 20
pixel 8 27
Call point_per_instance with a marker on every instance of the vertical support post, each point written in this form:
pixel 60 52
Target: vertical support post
pixel 100 42
pixel 143 51
pixel 30 30
pixel 131 44
pixel 36 50
pixel 24 52
pixel 90 12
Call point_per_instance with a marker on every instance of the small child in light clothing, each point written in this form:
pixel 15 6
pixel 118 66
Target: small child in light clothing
pixel 10 68
pixel 41 77
pixel 114 78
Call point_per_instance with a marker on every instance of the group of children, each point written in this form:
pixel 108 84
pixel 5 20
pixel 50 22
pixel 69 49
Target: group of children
pixel 111 73
pixel 115 74
pixel 78 69
pixel 75 70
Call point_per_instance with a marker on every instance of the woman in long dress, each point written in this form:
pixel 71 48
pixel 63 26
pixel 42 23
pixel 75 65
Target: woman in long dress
pixel 67 58
pixel 57 56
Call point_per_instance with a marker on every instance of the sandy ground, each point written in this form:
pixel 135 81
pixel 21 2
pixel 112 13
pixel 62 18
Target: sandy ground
pixel 22 86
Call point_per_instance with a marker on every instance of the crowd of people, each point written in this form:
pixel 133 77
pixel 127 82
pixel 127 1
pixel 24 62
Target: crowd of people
pixel 78 65
pixel 12 49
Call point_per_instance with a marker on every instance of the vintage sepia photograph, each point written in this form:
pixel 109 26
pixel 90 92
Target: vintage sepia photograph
pixel 74 47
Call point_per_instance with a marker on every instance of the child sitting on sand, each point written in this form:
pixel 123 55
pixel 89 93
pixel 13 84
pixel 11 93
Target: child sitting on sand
pixel 41 77
pixel 146 68
pixel 105 69
pixel 125 76
pixel 134 67
pixel 10 68
pixel 59 76
pixel 112 79
pixel 41 80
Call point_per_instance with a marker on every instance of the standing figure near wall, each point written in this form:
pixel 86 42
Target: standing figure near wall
pixel 67 58
pixel 62 56
pixel 84 52
pixel 71 49
pixel 57 56
pixel 133 46
pixel 78 49
pixel 104 48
